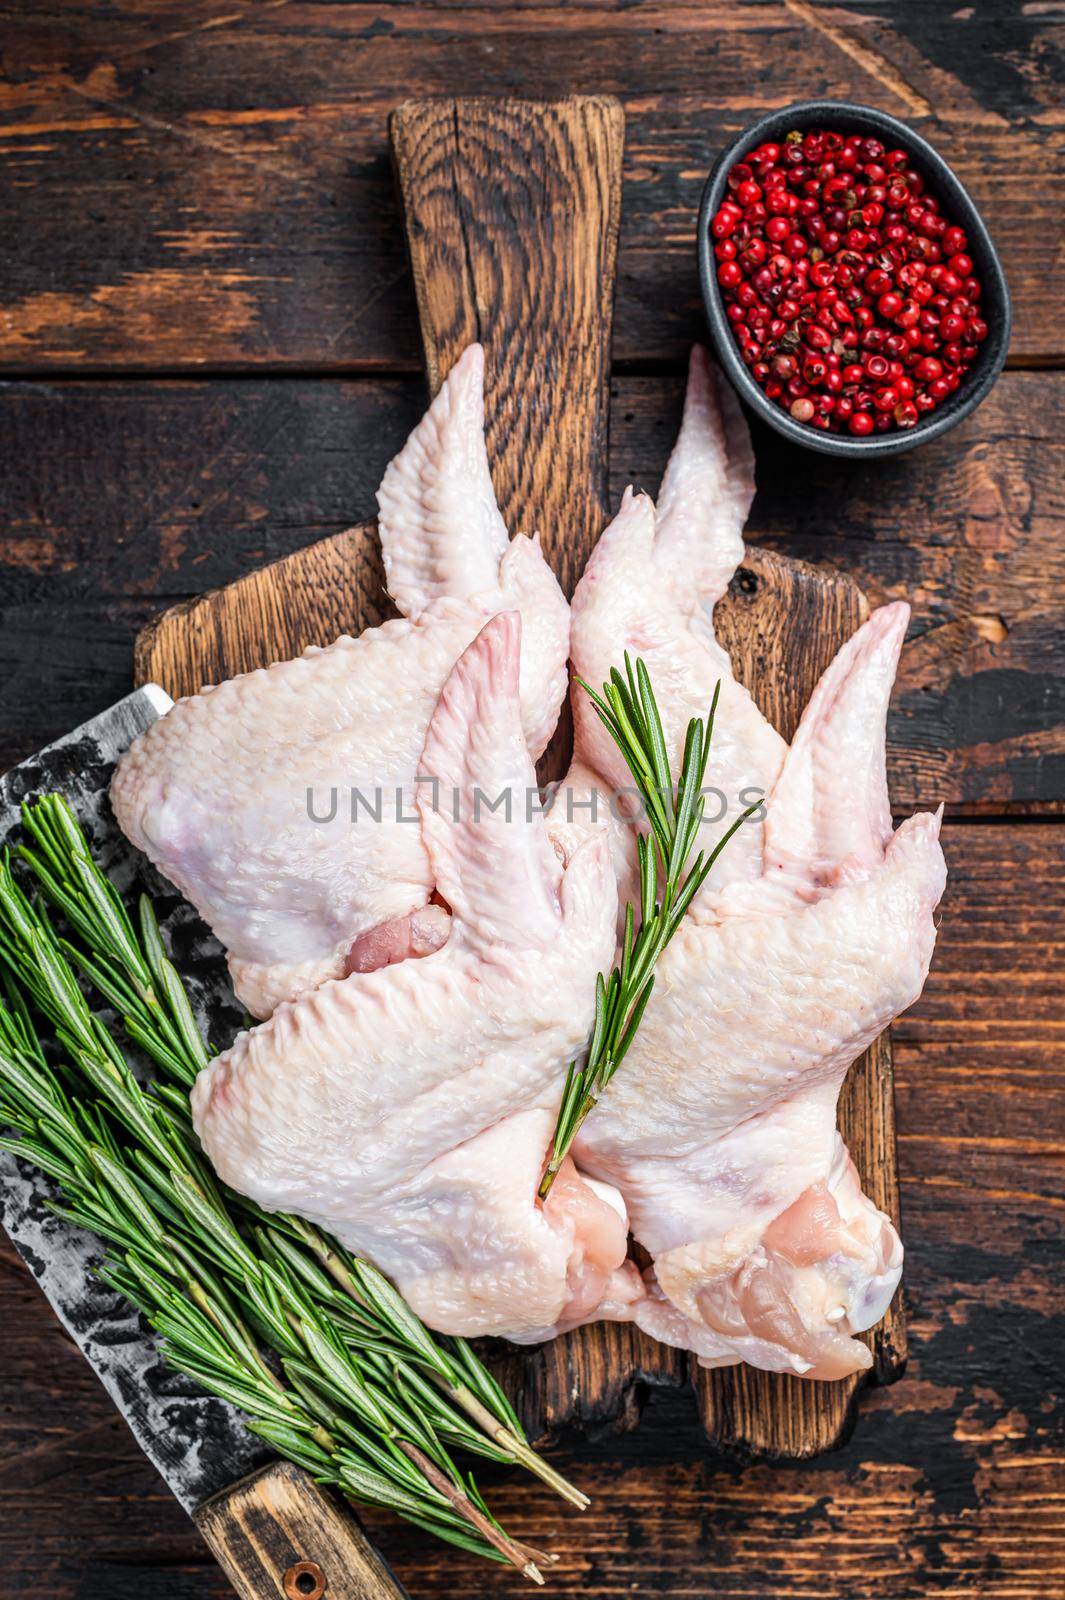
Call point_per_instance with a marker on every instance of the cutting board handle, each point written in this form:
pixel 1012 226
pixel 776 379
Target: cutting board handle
pixel 276 1536
pixel 511 210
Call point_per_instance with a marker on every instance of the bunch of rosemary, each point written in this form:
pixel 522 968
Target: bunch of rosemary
pixel 628 711
pixel 318 1350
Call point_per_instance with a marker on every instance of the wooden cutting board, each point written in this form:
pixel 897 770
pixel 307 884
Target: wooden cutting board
pixel 511 211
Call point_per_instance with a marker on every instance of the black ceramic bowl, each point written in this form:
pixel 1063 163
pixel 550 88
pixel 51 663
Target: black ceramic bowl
pixel 955 203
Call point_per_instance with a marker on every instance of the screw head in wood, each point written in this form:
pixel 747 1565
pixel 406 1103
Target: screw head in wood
pixel 305 1580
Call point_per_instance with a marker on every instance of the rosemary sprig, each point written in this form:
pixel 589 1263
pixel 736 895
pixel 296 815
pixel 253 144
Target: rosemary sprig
pixel 628 711
pixel 356 1389
pixel 369 1443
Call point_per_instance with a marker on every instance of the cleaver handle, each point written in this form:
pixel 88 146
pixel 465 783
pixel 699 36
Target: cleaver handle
pixel 276 1536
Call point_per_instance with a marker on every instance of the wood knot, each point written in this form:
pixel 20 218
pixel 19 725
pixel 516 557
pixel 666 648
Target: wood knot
pixel 745 581
pixel 304 1580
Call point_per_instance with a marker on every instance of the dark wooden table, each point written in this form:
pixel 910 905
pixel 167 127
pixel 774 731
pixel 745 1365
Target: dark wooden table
pixel 209 344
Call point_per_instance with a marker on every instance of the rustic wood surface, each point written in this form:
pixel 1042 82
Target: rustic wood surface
pixel 131 496
pixel 195 182
pixel 201 193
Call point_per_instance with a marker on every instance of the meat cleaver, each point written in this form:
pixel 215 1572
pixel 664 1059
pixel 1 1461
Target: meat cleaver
pixel 276 1535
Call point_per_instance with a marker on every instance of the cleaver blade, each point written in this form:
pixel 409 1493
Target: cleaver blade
pixel 197 1442
pixel 274 1533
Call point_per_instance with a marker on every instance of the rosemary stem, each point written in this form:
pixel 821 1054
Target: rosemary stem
pixel 330 1260
pixel 628 711
pixel 199 1297
pixel 522 1452
pixel 518 1555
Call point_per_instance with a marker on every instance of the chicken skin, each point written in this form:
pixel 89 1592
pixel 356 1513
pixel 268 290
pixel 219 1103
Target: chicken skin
pixel 409 1110
pixel 281 803
pixel 814 930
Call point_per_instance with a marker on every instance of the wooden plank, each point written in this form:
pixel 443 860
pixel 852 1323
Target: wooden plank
pixel 782 624
pixel 131 496
pixel 953 1481
pixel 188 185
pixel 511 214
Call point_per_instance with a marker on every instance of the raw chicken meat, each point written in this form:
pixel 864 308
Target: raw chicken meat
pixel 813 932
pixel 649 588
pixel 281 803
pixel 409 1110
pixel 408 1106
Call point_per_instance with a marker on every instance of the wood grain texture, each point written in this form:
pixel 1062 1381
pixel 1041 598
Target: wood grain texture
pixel 131 496
pixel 272 614
pixel 782 623
pixel 953 1482
pixel 779 615
pixel 268 1527
pixel 195 187
pixel 511 211
pixel 189 183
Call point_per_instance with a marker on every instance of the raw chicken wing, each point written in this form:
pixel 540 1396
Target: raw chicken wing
pixel 281 803
pixel 814 931
pixel 409 1110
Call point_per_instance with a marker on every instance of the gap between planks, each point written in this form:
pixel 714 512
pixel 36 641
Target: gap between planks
pixel 369 371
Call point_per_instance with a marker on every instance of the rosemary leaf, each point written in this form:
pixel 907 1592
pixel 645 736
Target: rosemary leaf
pixel 628 710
